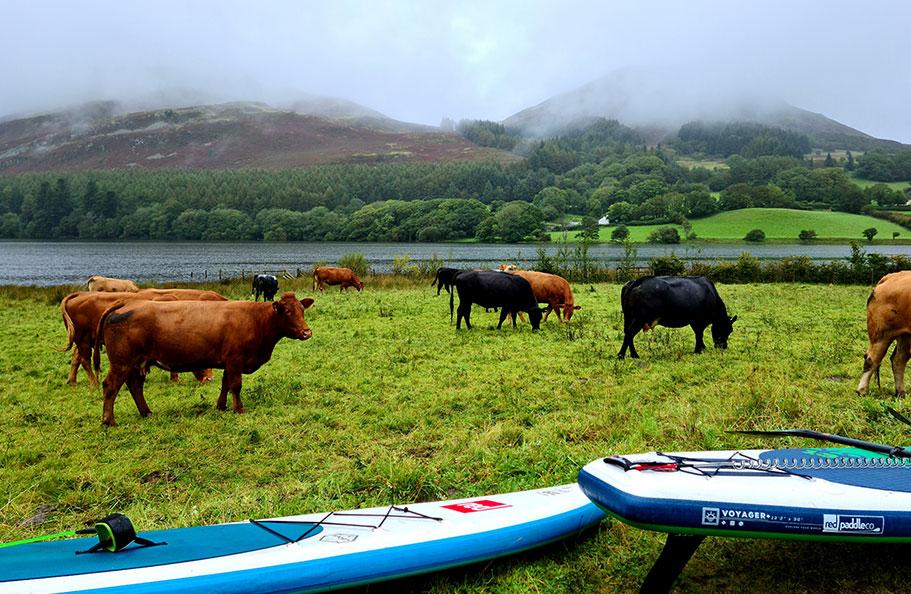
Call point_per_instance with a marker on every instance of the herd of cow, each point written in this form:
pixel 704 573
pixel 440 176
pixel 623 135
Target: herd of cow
pixel 189 330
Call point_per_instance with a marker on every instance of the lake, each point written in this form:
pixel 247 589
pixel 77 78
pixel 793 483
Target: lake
pixel 45 263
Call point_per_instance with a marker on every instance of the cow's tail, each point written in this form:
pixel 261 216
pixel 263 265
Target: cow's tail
pixel 451 299
pixel 99 335
pixel 436 279
pixel 68 322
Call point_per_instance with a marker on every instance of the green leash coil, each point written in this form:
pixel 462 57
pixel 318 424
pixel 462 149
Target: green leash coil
pixel 115 532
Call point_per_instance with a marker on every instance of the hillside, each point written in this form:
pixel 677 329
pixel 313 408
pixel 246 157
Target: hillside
pixel 657 101
pixel 776 223
pixel 314 131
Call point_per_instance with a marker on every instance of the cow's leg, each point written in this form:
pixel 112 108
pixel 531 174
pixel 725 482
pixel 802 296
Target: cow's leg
pixel 630 329
pixel 74 367
pixel 872 359
pixel 699 331
pixel 231 382
pixel 899 360
pixel 84 350
pixel 463 312
pixel 175 377
pixel 135 381
pixel 503 313
pixel 112 384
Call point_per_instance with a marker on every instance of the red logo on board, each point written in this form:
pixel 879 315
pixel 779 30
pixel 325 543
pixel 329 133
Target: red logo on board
pixel 476 506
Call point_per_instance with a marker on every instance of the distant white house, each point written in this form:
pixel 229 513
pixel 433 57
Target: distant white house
pixel 604 221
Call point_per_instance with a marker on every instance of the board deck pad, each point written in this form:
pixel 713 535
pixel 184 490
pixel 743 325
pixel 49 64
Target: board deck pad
pixel 183 544
pixel 832 494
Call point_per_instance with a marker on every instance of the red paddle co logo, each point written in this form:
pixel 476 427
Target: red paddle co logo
pixel 476 506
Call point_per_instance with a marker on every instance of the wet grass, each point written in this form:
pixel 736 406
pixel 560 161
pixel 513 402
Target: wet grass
pixel 388 403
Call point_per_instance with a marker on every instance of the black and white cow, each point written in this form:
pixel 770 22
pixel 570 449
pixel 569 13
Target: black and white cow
pixel 265 285
pixel 674 302
pixel 510 293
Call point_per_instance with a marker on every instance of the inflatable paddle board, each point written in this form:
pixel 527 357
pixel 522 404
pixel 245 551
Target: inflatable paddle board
pixel 306 553
pixel 825 494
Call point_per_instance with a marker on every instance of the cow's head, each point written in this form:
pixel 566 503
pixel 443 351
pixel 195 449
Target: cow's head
pixel 721 329
pixel 358 284
pixel 290 313
pixel 568 311
pixel 535 315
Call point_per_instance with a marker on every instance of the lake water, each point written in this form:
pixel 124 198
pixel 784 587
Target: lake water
pixel 45 263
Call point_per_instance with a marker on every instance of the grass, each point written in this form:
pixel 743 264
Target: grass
pixel 388 403
pixel 866 183
pixel 777 223
pixel 710 164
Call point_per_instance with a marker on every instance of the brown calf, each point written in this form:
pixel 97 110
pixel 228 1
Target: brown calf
pixel 81 312
pixel 113 285
pixel 237 336
pixel 327 275
pixel 888 320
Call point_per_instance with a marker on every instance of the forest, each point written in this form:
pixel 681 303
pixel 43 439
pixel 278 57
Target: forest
pixel 599 168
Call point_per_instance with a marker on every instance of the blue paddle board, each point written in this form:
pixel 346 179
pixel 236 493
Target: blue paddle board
pixel 307 553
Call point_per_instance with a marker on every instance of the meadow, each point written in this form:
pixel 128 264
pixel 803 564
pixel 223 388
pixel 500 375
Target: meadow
pixel 778 224
pixel 388 403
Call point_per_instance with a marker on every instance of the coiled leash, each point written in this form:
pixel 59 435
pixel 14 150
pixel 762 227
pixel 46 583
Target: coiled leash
pixel 115 532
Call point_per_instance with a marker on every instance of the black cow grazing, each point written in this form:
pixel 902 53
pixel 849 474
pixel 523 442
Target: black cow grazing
pixel 510 293
pixel 674 302
pixel 265 285
pixel 444 279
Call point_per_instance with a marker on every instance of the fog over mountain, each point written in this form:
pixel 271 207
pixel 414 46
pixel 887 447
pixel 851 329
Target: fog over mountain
pixel 421 61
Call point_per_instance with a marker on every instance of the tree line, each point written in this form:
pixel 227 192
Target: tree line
pixel 597 169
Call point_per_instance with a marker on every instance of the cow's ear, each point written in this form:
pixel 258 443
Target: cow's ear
pixel 306 302
pixel 734 319
pixel 276 305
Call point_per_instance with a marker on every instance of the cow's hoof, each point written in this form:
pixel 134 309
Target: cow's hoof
pixel 240 410
pixel 109 422
pixel 71 382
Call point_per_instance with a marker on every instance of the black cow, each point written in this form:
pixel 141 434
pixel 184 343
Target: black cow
pixel 444 279
pixel 265 285
pixel 674 302
pixel 510 293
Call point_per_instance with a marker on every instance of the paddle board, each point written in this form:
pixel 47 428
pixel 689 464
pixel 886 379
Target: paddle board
pixel 306 553
pixel 823 494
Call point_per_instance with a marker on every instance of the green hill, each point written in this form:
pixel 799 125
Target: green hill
pixel 776 223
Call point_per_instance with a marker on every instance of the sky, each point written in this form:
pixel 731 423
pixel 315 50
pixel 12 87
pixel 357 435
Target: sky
pixel 424 60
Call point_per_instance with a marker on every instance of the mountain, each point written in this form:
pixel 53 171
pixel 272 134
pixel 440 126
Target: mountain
pixel 312 131
pixel 656 101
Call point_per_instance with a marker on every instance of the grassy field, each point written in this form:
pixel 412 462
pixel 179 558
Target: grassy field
pixel 777 223
pixel 865 183
pixel 388 403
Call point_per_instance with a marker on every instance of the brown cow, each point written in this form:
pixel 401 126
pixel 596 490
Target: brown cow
pixel 112 285
pixel 237 336
pixel 888 320
pixel 81 312
pixel 553 290
pixel 327 275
